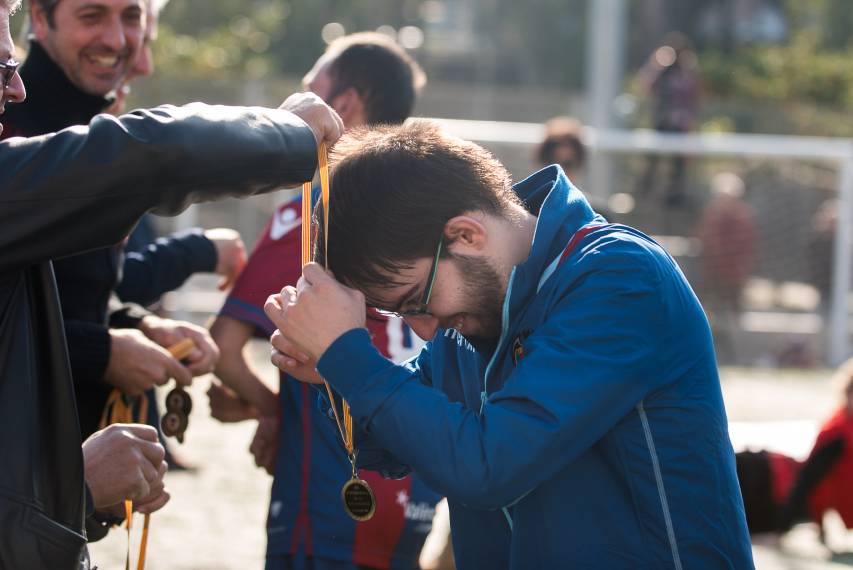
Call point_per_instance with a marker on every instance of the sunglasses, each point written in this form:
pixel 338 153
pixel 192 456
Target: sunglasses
pixel 8 69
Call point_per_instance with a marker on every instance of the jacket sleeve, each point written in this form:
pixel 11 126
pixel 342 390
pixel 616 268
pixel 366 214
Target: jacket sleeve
pixel 124 315
pixel 84 187
pixel 88 350
pixel 164 266
pixel 584 369
pixel 371 454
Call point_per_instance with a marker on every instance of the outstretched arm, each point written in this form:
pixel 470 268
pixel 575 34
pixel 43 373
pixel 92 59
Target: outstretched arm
pixel 57 188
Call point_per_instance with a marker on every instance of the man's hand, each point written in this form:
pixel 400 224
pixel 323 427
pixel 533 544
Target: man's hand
pixel 293 361
pixel 167 332
pixel 226 406
pixel 230 254
pixel 323 120
pixel 316 313
pixel 125 461
pixel 137 364
pixel 265 443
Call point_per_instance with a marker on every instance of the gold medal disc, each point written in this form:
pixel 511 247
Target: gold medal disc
pixel 359 502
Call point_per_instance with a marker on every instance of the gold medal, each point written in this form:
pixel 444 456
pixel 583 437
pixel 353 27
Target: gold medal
pixel 359 502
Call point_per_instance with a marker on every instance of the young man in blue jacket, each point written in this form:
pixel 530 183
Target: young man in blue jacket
pixel 568 404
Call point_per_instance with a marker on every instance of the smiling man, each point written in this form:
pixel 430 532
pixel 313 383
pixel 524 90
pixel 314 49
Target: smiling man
pixel 80 51
pixel 94 42
pixel 568 404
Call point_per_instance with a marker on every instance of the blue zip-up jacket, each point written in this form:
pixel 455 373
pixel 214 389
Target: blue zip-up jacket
pixel 593 435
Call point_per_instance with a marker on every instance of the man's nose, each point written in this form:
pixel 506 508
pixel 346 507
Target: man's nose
pixel 113 35
pixel 425 326
pixel 16 92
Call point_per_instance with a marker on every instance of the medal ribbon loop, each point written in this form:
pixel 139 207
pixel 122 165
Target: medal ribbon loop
pixel 345 426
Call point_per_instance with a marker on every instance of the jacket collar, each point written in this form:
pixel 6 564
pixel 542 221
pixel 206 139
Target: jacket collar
pixel 54 101
pixel 561 210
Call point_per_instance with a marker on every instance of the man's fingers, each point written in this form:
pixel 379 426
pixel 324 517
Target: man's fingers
pixel 287 348
pixel 314 274
pixel 272 308
pixel 323 120
pixel 155 504
pixel 205 355
pixel 150 473
pixel 153 452
pixel 141 431
pixel 178 371
pixel 256 447
pixel 141 487
pixel 268 460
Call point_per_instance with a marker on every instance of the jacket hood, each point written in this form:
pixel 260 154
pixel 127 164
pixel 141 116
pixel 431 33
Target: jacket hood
pixel 561 210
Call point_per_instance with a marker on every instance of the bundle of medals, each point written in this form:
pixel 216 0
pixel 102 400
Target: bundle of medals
pixel 359 501
pixel 119 409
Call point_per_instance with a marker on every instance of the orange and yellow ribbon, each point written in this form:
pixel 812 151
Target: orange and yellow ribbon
pixel 344 427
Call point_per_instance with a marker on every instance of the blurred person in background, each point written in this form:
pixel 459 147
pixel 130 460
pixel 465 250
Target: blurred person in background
pixel 670 79
pixel 780 491
pixel 728 234
pixel 821 250
pixel 153 266
pixel 563 145
pixel 368 79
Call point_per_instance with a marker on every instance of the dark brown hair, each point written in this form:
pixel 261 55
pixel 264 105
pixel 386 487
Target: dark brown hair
pixel 384 75
pixel 48 7
pixel 393 189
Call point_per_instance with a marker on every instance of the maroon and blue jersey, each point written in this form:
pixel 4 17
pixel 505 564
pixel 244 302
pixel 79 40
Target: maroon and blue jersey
pixel 306 515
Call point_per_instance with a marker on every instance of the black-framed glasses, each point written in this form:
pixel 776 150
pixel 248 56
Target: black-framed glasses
pixel 421 310
pixel 8 70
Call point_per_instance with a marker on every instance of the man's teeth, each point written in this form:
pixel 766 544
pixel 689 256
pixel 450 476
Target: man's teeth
pixel 105 60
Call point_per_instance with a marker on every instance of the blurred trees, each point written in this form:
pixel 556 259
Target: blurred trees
pixel 802 83
pixel 805 85
pixel 497 41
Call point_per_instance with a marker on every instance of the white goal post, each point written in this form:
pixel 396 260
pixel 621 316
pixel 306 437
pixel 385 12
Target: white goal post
pixel 833 150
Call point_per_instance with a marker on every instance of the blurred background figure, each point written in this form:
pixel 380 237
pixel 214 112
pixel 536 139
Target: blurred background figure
pixel 779 491
pixel 821 247
pixel 728 236
pixel 671 81
pixel 563 145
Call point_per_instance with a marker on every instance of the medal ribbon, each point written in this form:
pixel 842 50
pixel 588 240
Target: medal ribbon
pixel 119 409
pixel 345 426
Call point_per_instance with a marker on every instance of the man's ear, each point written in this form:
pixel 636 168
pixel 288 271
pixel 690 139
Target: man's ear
pixel 38 19
pixel 465 235
pixel 350 106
